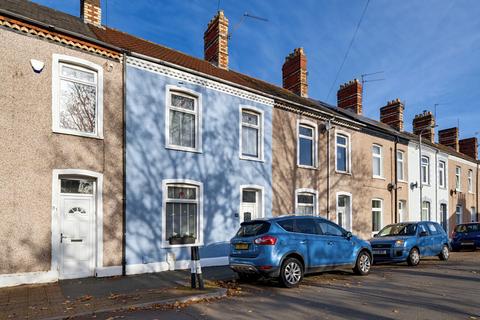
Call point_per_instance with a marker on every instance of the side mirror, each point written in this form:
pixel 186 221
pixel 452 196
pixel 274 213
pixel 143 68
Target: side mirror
pixel 375 235
pixel 423 234
pixel 348 235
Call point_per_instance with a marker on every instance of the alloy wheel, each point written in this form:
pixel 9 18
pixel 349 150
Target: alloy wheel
pixel 415 257
pixel 293 273
pixel 445 252
pixel 364 263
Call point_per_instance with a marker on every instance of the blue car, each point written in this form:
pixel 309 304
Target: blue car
pixel 409 242
pixel 466 236
pixel 290 246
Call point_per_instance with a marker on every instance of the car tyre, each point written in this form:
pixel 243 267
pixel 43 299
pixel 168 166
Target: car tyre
pixel 291 273
pixel 363 264
pixel 445 253
pixel 413 257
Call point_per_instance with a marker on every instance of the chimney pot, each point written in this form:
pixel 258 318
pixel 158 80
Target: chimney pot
pixel 91 12
pixel 422 121
pixel 449 137
pixel 294 72
pixel 215 41
pixel 392 114
pixel 469 146
pixel 349 96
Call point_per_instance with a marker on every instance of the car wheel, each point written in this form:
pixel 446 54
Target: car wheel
pixel 413 257
pixel 363 264
pixel 291 273
pixel 444 254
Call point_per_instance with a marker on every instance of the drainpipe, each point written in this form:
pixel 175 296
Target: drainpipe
pixel 420 172
pixel 436 185
pixel 476 194
pixel 124 191
pixel 328 127
pixel 396 179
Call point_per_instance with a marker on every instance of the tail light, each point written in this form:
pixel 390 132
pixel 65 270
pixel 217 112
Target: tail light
pixel 266 241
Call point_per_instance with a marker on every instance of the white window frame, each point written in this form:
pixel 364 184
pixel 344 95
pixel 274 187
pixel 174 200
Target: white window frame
pixel 425 179
pixel 377 210
pixel 349 149
pixel 401 164
pixel 199 185
pixel 311 192
pixel 458 178
pixel 170 89
pixel 57 61
pixel 381 160
pixel 470 180
pixel 442 173
pixel 261 131
pixel 458 214
pixel 429 210
pixel 257 188
pixel 350 214
pixel 312 125
pixel 473 214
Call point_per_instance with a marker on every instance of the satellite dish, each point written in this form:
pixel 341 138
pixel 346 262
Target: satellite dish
pixel 37 65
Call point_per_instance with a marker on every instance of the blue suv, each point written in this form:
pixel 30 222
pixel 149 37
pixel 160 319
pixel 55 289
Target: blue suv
pixel 409 241
pixel 288 247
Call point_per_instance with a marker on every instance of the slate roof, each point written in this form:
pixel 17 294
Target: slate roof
pixel 125 41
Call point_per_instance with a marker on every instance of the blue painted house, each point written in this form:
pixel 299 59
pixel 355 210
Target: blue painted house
pixel 198 162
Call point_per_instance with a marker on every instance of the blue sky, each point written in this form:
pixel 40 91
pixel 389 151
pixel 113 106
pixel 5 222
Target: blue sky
pixel 429 50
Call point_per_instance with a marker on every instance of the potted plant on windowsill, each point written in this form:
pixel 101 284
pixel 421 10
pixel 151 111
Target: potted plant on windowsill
pixel 178 239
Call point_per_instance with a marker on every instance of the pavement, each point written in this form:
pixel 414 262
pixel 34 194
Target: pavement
pixel 88 296
pixel 433 290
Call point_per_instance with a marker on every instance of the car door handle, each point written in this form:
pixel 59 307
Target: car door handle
pixel 303 241
pixel 330 243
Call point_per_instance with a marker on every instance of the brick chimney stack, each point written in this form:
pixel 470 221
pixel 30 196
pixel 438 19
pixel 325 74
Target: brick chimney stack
pixel 349 96
pixel 469 147
pixel 215 41
pixel 422 121
pixel 392 114
pixel 294 73
pixel 91 12
pixel 449 137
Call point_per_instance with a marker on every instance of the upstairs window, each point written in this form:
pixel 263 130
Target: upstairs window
pixel 400 166
pixel 251 135
pixel 342 153
pixel 425 170
pixel 306 145
pixel 470 181
pixel 458 176
pixel 377 158
pixel 183 121
pixel 441 174
pixel 77 97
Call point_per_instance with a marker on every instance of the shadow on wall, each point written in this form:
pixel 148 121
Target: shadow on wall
pixel 72 152
pixel 218 167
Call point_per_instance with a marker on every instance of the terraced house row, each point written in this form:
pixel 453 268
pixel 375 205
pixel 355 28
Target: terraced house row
pixel 118 154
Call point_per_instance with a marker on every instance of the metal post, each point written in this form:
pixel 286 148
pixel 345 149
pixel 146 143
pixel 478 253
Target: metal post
pixel 196 269
pixel 199 270
pixel 420 175
pixel 193 268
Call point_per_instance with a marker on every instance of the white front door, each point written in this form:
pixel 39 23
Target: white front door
pixel 77 233
pixel 249 208
pixel 343 212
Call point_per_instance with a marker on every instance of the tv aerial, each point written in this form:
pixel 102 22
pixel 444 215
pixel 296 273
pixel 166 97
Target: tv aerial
pixel 245 16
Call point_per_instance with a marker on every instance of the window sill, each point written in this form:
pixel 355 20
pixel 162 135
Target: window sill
pixel 306 167
pixel 166 245
pixel 251 159
pixel 402 181
pixel 343 172
pixel 379 178
pixel 78 134
pixel 183 149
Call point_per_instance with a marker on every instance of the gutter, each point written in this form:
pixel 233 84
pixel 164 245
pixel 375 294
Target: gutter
pixel 60 30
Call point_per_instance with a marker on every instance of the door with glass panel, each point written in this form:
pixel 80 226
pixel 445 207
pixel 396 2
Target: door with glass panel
pixel 343 211
pixel 77 232
pixel 444 216
pixel 250 205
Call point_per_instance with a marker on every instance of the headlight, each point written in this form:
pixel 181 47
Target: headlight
pixel 399 243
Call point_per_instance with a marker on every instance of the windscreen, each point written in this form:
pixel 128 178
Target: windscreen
pixel 253 228
pixel 401 229
pixel 467 228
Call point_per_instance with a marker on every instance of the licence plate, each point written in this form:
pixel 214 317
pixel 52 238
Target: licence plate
pixel 469 243
pixel 241 246
pixel 379 251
